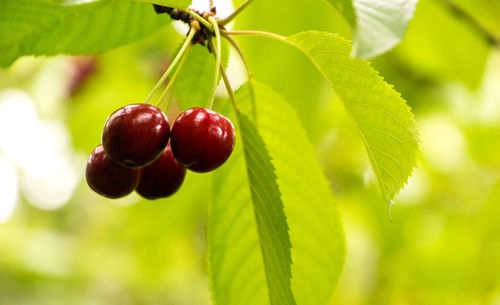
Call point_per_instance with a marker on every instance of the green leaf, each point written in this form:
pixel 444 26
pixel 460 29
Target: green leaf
pixel 170 3
pixel 382 117
pixel 316 234
pixel 380 25
pixel 345 7
pixel 194 85
pixel 270 217
pixel 69 2
pixel 195 80
pixel 36 27
pixel 377 26
pixel 270 223
pixel 237 270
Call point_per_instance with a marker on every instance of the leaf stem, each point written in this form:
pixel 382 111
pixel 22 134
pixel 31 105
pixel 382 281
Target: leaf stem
pixel 173 79
pixel 262 34
pixel 217 51
pixel 274 36
pixel 229 18
pixel 236 46
pixel 186 44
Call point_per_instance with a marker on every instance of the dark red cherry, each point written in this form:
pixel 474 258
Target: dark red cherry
pixel 161 178
pixel 202 139
pixel 107 178
pixel 135 135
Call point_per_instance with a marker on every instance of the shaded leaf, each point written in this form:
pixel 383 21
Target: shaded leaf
pixel 194 85
pixel 195 80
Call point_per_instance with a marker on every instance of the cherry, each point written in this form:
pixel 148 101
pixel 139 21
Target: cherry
pixel 161 178
pixel 202 139
pixel 135 135
pixel 107 178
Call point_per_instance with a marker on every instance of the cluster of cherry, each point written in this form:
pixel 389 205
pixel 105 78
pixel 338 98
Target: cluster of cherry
pixel 136 153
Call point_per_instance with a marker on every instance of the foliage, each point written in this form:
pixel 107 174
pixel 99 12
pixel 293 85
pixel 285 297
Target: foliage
pixel 380 114
pixel 267 221
pixel 40 28
pixel 377 25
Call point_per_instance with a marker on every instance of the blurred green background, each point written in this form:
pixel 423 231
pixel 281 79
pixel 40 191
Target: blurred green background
pixel 62 244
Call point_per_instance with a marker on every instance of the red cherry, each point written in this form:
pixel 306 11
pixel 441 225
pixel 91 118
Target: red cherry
pixel 202 139
pixel 135 135
pixel 162 178
pixel 107 178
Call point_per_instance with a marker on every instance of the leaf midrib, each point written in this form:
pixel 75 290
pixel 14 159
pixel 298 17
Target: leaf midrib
pixel 370 154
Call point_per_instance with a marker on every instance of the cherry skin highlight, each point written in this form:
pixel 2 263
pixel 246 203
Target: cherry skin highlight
pixel 135 135
pixel 107 178
pixel 202 139
pixel 161 178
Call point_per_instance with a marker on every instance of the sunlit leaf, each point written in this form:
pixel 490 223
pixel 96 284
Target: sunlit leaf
pixel 269 221
pixel 382 117
pixel 236 269
pixel 309 207
pixel 269 214
pixel 35 27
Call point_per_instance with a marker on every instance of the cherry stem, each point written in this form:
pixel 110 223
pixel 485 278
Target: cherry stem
pixel 200 19
pixel 230 18
pixel 169 100
pixel 236 46
pixel 229 90
pixel 173 79
pixel 230 93
pixel 217 52
pixel 210 4
pixel 186 44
